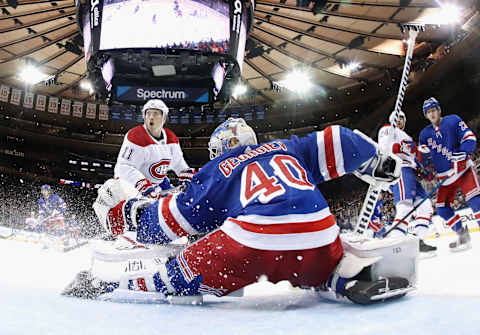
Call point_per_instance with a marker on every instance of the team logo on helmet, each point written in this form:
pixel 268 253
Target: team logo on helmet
pixel 159 170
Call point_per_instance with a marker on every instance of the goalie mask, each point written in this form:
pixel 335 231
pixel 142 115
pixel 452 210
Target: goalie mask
pixel 230 134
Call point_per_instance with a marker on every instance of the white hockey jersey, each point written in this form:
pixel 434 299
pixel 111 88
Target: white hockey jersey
pixel 390 140
pixel 142 156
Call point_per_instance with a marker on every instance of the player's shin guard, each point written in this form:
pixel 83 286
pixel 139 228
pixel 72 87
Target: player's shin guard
pixel 452 220
pixel 402 208
pixel 423 218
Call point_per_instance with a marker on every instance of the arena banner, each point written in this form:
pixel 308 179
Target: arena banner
pixel 77 109
pixel 466 214
pixel 28 100
pixel 41 102
pixel 65 107
pixel 53 105
pixel 103 112
pixel 140 94
pixel 4 92
pixel 15 97
pixel 91 111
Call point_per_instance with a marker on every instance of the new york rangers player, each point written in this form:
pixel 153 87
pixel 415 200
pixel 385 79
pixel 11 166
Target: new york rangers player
pixel 448 143
pixel 149 151
pixel 263 214
pixel 408 192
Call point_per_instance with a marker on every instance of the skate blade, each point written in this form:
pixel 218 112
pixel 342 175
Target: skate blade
pixel 142 297
pixel 393 293
pixel 463 247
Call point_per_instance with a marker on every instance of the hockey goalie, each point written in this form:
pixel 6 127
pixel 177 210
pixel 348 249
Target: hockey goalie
pixel 262 214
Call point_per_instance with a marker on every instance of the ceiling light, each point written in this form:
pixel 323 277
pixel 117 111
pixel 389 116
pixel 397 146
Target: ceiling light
pixel 297 81
pixel 239 90
pixel 352 66
pixel 86 86
pixel 31 75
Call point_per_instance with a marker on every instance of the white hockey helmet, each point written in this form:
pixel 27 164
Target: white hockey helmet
pixel 391 119
pixel 155 104
pixel 234 132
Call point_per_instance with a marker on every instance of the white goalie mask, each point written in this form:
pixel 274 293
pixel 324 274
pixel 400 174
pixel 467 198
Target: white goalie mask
pixel 234 132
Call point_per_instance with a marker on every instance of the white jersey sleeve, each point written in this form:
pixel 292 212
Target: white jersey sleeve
pixel 386 138
pixel 129 162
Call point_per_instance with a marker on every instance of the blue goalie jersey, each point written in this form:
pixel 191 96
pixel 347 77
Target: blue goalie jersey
pixel 260 194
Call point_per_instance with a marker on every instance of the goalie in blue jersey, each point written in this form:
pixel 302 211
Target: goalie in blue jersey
pixel 262 214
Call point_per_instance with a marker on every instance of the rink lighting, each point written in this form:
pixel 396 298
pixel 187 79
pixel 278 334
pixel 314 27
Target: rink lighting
pixel 72 162
pixel 447 14
pixel 239 90
pixel 96 164
pixel 31 75
pixel 84 163
pixel 86 86
pixel 108 165
pixel 352 66
pixel 297 81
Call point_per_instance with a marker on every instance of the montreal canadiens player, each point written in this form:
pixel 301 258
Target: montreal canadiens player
pixel 51 211
pixel 262 213
pixel 149 151
pixel 408 192
pixel 448 144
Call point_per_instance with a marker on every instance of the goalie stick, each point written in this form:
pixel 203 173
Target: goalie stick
pixel 373 192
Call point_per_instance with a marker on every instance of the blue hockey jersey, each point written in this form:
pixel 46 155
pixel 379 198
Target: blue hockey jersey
pixel 47 207
pixel 263 196
pixel 437 144
pixel 378 211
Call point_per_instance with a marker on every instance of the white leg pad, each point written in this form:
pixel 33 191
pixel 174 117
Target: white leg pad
pixel 398 256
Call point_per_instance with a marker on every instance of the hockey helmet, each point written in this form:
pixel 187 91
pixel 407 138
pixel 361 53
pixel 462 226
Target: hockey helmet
pixel 234 132
pixel 45 188
pixel 155 104
pixel 429 104
pixel 391 119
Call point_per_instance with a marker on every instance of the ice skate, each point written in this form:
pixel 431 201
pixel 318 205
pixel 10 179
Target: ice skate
pixel 463 241
pixel 426 250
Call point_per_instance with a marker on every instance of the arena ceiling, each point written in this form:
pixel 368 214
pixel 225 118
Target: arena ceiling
pixel 285 37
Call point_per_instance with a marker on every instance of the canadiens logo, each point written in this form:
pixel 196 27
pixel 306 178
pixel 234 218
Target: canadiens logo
pixel 159 170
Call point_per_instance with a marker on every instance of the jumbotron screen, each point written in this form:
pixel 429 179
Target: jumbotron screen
pixel 180 24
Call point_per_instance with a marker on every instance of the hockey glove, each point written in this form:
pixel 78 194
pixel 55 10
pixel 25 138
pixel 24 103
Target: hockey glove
pixel 186 176
pixel 408 147
pixel 147 189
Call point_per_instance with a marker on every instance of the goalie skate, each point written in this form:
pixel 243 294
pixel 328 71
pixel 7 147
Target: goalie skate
pixel 367 292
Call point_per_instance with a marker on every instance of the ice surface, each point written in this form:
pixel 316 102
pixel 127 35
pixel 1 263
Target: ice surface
pixel 447 302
